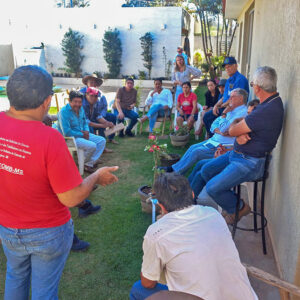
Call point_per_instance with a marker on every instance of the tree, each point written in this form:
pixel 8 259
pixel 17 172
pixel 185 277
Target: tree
pixel 72 3
pixel 147 46
pixel 71 46
pixel 152 3
pixel 112 48
pixel 208 11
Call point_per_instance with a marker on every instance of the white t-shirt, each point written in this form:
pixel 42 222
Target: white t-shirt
pixel 194 249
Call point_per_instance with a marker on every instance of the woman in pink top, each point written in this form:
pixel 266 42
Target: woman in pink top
pixel 187 106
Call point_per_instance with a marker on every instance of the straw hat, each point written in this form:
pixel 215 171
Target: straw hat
pixel 85 79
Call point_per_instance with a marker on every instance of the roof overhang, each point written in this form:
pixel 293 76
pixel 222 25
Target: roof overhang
pixel 233 8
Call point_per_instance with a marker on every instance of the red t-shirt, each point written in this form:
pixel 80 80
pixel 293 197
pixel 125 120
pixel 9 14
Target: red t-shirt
pixel 35 165
pixel 186 103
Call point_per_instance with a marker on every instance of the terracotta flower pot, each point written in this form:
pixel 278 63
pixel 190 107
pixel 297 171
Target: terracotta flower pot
pixel 166 162
pixel 179 140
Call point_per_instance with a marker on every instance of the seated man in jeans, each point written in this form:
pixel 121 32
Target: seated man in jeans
pixel 256 135
pixel 72 122
pixel 124 105
pixel 206 149
pixel 191 247
pixel 95 108
pixel 160 100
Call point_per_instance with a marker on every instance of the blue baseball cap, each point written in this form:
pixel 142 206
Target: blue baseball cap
pixel 230 60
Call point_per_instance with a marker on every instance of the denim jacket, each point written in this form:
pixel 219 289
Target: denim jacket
pixel 69 124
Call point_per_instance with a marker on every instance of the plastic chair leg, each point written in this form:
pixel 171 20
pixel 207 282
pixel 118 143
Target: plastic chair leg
pixel 80 155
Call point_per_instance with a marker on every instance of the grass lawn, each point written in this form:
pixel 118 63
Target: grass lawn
pixel 112 264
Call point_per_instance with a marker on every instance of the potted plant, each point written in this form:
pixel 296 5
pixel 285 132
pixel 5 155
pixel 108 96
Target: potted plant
pixel 156 150
pixel 180 137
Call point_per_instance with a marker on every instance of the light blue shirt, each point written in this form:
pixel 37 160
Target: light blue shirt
pixel 184 57
pixel 223 125
pixel 163 98
pixel 186 74
pixel 71 124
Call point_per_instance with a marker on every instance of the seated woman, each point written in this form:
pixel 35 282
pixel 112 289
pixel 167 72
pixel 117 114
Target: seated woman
pixel 187 106
pixel 211 98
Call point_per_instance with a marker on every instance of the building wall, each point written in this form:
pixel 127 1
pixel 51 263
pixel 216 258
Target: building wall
pixel 6 60
pixel 92 22
pixel 275 43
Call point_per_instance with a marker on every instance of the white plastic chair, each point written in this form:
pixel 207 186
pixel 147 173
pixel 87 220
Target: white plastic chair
pixel 198 122
pixel 70 141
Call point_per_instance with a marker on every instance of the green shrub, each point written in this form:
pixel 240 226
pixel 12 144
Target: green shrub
pixel 112 48
pixel 71 46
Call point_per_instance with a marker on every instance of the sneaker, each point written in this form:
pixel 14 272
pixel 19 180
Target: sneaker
pixel 79 245
pixel 121 134
pixel 88 209
pixel 129 133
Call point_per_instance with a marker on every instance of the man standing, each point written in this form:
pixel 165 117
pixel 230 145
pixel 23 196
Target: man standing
pixel 72 122
pixel 256 135
pixel 180 52
pixel 184 246
pixel 39 181
pixel 206 149
pixel 235 80
pixel 95 108
pixel 160 100
pixel 124 105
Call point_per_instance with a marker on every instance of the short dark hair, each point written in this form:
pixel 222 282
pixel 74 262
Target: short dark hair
pixel 75 94
pixel 28 87
pixel 129 79
pixel 158 79
pixel 187 83
pixel 253 102
pixel 173 191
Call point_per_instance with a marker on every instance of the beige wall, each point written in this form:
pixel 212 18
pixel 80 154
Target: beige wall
pixel 276 43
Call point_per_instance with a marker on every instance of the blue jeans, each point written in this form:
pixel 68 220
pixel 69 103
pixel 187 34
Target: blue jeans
pixel 227 171
pixel 130 114
pixel 209 118
pixel 110 118
pixel 39 253
pixel 194 154
pixel 93 148
pixel 156 110
pixel 179 91
pixel 196 181
pixel 138 292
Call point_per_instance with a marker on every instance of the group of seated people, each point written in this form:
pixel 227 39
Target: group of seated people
pixel 182 249
pixel 191 244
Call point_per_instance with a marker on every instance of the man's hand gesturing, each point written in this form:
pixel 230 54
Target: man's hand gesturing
pixel 105 177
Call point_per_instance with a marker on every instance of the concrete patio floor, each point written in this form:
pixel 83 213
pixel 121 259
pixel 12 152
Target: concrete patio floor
pixel 249 245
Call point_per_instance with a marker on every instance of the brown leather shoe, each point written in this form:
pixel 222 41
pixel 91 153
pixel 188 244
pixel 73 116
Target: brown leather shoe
pixel 243 212
pixel 106 150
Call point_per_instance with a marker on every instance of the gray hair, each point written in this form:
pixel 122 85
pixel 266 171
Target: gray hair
pixel 243 93
pixel 266 78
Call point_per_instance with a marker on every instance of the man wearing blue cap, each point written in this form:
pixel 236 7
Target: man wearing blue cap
pixel 235 80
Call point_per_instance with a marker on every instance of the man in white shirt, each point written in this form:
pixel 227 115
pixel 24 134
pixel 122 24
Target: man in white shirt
pixel 236 109
pixel 160 100
pixel 192 247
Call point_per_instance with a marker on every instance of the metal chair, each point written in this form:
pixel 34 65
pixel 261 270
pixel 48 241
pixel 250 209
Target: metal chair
pixel 263 219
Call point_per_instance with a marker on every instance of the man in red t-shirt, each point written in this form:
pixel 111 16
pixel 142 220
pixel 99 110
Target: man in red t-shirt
pixel 187 106
pixel 38 181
